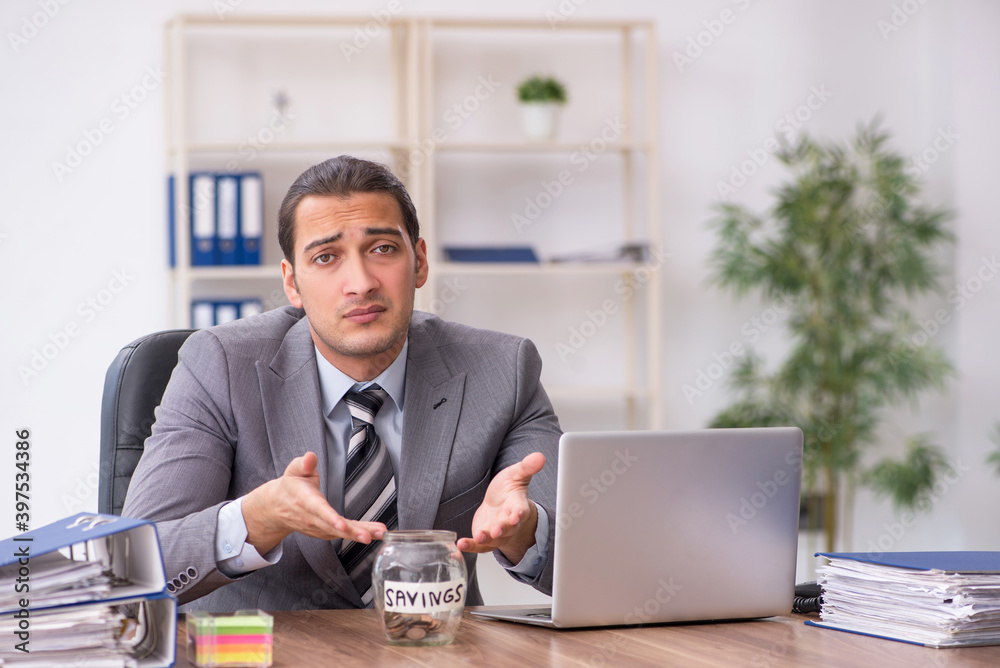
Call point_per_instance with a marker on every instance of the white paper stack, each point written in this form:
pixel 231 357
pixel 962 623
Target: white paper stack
pixel 54 580
pixel 938 599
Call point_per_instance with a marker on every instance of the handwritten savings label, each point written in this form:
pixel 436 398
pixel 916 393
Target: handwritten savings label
pixel 424 597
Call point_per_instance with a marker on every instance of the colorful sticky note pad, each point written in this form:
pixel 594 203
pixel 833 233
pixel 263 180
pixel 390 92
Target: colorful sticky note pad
pixel 243 638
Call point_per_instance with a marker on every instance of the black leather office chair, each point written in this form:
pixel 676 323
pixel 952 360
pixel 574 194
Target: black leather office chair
pixel 133 388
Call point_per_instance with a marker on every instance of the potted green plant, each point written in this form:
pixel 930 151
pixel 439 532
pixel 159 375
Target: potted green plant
pixel 540 98
pixel 848 246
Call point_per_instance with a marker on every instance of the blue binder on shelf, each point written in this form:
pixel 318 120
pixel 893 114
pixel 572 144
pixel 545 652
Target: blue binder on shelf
pixel 226 311
pixel 251 218
pixel 249 307
pixel 202 313
pixel 227 216
pixel 490 254
pixel 77 569
pixel 204 234
pixel 171 221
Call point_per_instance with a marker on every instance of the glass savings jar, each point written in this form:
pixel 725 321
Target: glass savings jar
pixel 419 579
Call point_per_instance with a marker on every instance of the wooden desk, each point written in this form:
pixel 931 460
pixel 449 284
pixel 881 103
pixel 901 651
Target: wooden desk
pixel 354 638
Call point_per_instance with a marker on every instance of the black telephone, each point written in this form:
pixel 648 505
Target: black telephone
pixel 808 598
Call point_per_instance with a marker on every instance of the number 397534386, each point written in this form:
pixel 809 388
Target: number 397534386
pixel 22 480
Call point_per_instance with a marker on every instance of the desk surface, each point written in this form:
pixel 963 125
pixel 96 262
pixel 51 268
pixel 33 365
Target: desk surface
pixel 354 638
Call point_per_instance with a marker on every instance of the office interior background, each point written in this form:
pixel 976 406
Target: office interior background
pixel 84 244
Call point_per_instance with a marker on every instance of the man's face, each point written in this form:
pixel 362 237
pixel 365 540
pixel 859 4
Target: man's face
pixel 355 275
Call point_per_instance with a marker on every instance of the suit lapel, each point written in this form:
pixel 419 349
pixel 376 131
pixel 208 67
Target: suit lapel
pixel 432 406
pixel 290 393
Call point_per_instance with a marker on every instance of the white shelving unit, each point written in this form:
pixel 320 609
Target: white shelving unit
pixel 636 43
pixel 413 57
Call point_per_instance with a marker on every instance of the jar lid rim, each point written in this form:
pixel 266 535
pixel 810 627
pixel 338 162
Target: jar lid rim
pixel 421 535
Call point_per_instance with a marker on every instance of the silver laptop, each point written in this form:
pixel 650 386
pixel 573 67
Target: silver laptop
pixel 672 526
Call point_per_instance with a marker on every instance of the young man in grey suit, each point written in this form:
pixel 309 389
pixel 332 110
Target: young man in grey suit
pixel 244 472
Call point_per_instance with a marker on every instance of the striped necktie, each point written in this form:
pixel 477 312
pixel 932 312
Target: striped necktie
pixel 369 486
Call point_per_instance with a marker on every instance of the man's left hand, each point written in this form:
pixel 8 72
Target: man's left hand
pixel 507 519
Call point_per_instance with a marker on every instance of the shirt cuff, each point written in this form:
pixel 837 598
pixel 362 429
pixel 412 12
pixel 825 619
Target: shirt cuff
pixel 531 563
pixel 233 555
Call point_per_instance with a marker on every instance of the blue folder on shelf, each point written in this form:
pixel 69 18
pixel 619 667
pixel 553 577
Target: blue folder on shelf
pixel 227 212
pixel 202 313
pixel 226 311
pixel 490 254
pixel 171 221
pixel 251 218
pixel 249 307
pixel 204 234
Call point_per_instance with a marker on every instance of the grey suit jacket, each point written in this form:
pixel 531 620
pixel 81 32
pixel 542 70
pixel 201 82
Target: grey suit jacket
pixel 244 400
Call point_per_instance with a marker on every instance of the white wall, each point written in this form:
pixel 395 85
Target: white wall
pixel 97 232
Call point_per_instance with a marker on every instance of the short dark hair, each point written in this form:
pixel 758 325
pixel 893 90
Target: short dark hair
pixel 342 177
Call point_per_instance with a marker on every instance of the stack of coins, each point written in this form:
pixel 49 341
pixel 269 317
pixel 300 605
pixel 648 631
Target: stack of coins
pixel 414 628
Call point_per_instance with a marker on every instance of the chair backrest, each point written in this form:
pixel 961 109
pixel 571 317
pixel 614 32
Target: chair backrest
pixel 133 388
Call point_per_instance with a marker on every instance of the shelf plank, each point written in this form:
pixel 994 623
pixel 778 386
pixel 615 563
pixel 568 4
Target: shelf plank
pixel 239 20
pixel 537 24
pixel 228 273
pixel 274 148
pixel 533 268
pixel 561 146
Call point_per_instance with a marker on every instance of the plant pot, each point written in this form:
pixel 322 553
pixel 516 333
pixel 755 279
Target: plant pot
pixel 540 119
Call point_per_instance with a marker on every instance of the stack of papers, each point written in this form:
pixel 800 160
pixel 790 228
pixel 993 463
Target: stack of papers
pixel 87 591
pixel 54 580
pixel 938 599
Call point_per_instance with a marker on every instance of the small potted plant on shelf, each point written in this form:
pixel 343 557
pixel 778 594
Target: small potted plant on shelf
pixel 540 98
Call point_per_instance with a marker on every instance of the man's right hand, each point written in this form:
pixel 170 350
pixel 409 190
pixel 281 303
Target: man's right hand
pixel 293 502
